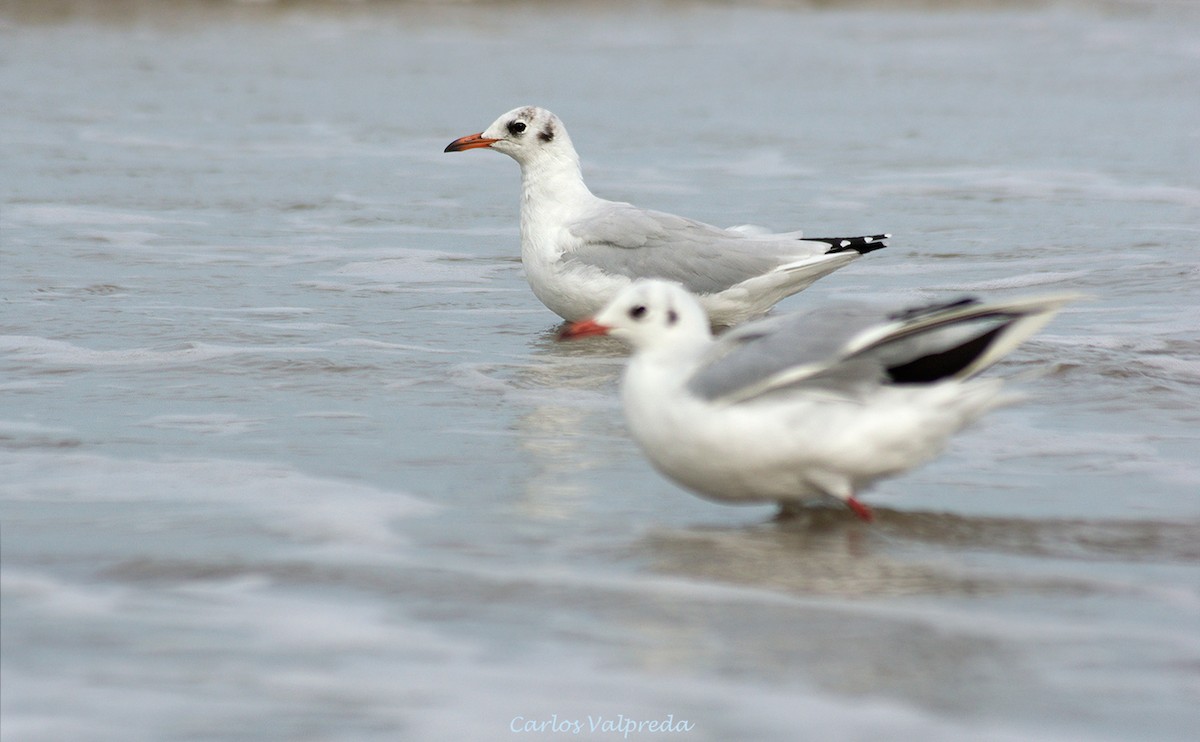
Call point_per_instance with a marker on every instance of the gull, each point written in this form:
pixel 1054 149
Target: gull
pixel 809 407
pixel 579 250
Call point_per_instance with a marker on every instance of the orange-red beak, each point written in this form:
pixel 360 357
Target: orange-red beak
pixel 582 329
pixel 471 141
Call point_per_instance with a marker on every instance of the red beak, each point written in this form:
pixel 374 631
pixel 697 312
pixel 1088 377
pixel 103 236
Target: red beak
pixel 471 141
pixel 582 329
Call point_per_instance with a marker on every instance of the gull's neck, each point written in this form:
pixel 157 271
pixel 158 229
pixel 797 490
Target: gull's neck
pixel 659 372
pixel 681 352
pixel 552 184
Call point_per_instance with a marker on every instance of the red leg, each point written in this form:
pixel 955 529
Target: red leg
pixel 859 509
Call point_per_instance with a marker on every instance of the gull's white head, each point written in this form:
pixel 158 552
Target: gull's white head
pixel 650 313
pixel 528 134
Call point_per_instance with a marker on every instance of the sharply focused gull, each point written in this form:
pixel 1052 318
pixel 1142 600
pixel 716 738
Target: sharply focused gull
pixel 807 407
pixel 579 250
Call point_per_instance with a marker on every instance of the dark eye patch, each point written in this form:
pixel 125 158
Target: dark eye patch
pixel 672 316
pixel 516 127
pixel 637 312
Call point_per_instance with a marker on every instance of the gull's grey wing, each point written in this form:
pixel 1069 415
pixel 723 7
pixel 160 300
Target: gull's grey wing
pixel 753 354
pixel 624 240
pixel 842 346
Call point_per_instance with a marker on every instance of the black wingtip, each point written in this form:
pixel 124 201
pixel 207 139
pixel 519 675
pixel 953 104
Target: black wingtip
pixel 860 245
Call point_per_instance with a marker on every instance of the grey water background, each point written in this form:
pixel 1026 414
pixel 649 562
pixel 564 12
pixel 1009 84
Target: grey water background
pixel 288 450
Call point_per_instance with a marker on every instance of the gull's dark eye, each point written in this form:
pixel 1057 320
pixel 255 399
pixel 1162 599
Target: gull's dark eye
pixel 637 312
pixel 516 127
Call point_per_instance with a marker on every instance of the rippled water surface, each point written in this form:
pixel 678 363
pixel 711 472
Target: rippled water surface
pixel 288 450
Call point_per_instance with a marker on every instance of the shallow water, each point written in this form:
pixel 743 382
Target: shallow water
pixel 288 451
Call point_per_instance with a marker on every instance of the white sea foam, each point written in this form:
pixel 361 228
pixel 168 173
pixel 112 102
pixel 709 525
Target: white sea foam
pixel 764 163
pixel 213 424
pixel 383 345
pixel 61 354
pixel 56 597
pixel 27 434
pixel 450 687
pixel 59 214
pixel 1033 185
pixel 420 268
pixel 282 499
pixel 25 428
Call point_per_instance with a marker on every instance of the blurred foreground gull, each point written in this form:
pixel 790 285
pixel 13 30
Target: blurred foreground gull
pixel 579 250
pixel 807 407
